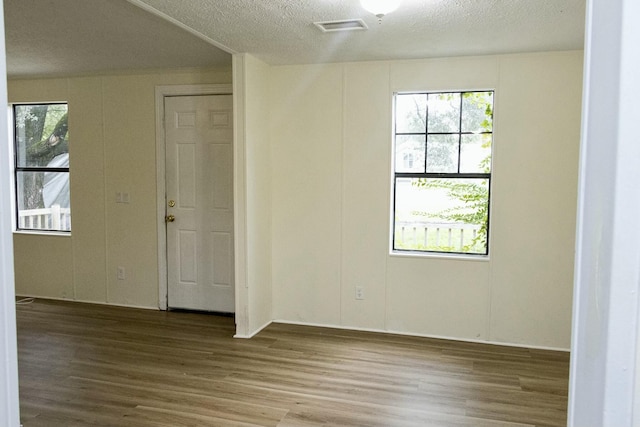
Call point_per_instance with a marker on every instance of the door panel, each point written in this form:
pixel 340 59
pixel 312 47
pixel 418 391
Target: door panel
pixel 199 179
pixel 187 255
pixel 186 175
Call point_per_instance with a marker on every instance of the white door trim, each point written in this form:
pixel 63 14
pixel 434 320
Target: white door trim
pixel 161 92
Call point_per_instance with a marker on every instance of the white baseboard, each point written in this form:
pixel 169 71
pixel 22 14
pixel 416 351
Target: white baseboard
pixel 321 325
pixel 143 307
pixel 254 333
pixel 411 334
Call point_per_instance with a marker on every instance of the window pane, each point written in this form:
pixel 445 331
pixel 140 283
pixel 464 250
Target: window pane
pixel 475 153
pixel 41 133
pixel 442 153
pixel 43 201
pixel 477 112
pixel 441 215
pixel 444 112
pixel 410 153
pixel 411 112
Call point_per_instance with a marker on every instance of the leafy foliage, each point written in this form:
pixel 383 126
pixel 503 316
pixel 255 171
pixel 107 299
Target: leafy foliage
pixel 473 194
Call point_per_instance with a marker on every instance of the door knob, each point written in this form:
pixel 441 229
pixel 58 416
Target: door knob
pixel 169 218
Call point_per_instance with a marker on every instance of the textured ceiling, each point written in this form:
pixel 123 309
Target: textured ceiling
pixel 281 31
pixel 85 36
pixel 64 37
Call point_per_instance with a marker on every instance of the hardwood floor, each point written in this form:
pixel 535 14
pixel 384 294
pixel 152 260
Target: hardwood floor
pixel 91 365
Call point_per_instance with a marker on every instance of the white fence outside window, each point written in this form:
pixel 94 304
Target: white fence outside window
pixel 53 218
pixel 433 235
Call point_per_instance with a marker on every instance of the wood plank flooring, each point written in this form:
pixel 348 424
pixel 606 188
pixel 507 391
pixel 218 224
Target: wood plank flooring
pixel 91 365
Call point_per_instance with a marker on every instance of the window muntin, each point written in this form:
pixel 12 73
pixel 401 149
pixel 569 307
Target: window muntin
pixel 41 167
pixel 442 172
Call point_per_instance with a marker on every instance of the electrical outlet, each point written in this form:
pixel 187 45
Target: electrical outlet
pixel 359 292
pixel 120 274
pixel 122 197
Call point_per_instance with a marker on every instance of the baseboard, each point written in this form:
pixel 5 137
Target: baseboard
pixel 143 307
pixel 254 333
pixel 321 325
pixel 411 334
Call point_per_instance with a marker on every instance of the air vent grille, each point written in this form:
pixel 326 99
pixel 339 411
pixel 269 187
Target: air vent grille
pixel 342 25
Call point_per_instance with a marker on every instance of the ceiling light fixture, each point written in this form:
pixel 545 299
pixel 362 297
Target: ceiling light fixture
pixel 380 7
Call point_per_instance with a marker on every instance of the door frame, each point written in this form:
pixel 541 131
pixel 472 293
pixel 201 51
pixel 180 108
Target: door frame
pixel 161 93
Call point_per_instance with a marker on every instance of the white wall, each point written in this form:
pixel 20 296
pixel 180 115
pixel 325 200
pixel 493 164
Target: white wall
pixel 9 407
pixel 258 168
pixel 317 160
pixel 330 131
pixel 306 138
pixel 605 374
pixel 253 195
pixel 112 149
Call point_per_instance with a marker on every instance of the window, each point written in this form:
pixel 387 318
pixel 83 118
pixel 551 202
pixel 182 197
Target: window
pixel 41 153
pixel 442 172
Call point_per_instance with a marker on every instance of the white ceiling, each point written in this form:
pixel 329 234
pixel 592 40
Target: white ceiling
pixel 71 37
pixel 57 37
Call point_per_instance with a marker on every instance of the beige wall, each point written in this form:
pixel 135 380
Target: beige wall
pixel 113 149
pixel 258 192
pixel 252 164
pixel 330 131
pixel 314 167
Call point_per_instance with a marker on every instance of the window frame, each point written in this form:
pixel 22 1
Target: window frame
pixel 16 169
pixel 395 176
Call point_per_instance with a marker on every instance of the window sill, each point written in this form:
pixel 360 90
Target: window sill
pixel 440 256
pixel 43 233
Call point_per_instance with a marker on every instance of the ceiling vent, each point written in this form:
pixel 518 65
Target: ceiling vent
pixel 343 25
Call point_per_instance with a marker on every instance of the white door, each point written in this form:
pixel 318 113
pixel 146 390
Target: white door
pixel 199 185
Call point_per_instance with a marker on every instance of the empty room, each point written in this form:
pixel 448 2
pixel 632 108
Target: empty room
pixel 318 213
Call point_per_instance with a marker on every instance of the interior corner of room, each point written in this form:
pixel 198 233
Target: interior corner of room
pixel 311 239
pixel 310 187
